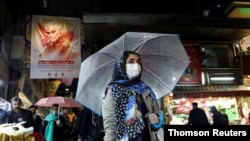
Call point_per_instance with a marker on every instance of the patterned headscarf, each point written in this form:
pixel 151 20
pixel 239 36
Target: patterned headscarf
pixel 128 111
pixel 120 76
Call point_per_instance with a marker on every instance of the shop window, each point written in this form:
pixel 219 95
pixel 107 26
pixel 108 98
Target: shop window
pixel 216 56
pixel 181 108
pixel 209 61
pixel 242 54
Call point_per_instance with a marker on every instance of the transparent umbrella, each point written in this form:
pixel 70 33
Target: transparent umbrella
pixel 163 57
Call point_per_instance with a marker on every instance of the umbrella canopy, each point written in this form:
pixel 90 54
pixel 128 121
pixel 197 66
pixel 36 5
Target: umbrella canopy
pixel 163 57
pixel 61 101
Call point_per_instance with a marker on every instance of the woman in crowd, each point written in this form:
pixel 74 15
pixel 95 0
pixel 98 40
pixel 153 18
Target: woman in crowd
pixel 54 125
pixel 130 109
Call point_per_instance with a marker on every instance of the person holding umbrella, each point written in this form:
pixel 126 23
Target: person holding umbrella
pixel 54 124
pixel 130 110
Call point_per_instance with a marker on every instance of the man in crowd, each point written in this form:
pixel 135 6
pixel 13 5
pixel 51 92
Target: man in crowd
pixel 197 116
pixel 18 114
pixel 37 119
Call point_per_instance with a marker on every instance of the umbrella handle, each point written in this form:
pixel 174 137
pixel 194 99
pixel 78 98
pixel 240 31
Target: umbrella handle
pixel 161 120
pixel 58 112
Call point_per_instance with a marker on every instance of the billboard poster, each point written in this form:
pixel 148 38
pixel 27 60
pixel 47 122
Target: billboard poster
pixel 55 47
pixel 192 75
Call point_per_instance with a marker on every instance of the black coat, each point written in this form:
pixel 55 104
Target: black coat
pixel 37 123
pixel 197 116
pixel 91 125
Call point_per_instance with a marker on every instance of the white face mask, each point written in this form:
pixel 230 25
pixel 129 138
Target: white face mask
pixel 133 70
pixel 54 112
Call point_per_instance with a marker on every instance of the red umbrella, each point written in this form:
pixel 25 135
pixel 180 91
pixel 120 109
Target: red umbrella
pixel 61 101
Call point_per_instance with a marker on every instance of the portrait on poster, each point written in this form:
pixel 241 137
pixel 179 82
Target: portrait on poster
pixel 55 46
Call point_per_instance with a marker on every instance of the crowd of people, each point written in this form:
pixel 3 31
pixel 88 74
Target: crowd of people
pixel 198 116
pixel 88 126
pixel 137 115
pixel 130 111
pixel 56 125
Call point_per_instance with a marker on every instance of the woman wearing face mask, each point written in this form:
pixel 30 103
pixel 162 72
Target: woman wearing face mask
pixel 53 125
pixel 130 109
